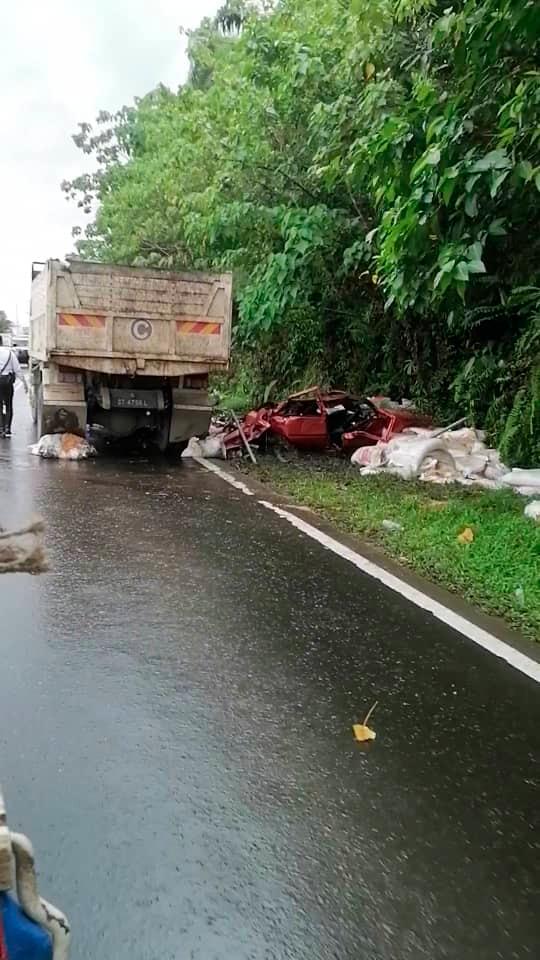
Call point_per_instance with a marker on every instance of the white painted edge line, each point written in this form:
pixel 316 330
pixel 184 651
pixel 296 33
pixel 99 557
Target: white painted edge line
pixel 520 661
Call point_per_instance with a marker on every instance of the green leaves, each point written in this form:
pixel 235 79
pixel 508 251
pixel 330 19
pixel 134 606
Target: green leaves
pixel 431 158
pixel 497 179
pixel 318 146
pixel 496 227
pixel 476 266
pixel 494 160
pixel 471 205
pixel 525 170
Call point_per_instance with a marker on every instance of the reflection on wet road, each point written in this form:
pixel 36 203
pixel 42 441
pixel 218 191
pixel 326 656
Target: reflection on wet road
pixel 176 708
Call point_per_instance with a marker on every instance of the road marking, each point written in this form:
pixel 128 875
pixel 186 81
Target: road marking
pixel 237 484
pixel 483 638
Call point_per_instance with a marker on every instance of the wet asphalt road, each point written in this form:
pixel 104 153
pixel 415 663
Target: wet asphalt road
pixel 176 708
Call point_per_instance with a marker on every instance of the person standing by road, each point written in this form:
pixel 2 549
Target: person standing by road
pixel 10 370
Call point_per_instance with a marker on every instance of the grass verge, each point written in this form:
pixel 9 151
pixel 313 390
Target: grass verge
pixel 499 571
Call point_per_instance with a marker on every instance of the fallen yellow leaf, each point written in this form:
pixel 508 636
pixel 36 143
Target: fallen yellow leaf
pixel 369 70
pixel 363 733
pixel 466 536
pixel 361 730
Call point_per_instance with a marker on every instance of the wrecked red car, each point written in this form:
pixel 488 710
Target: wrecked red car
pixel 317 420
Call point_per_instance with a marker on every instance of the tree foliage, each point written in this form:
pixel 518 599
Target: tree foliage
pixel 370 169
pixel 5 323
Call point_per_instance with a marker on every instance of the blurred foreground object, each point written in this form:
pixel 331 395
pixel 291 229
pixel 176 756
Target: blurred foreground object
pixel 22 551
pixel 30 927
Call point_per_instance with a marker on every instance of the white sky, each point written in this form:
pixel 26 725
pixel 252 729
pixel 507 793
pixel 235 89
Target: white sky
pixel 60 63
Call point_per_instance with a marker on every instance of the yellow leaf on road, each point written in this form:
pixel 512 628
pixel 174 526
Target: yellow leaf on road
pixel 361 731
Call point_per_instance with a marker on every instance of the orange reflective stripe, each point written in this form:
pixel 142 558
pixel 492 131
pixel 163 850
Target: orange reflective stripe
pixel 208 328
pixel 93 320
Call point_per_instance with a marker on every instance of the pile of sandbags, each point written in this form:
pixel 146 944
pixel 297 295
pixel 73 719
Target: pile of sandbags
pixel 526 482
pixel 457 456
pixel 63 446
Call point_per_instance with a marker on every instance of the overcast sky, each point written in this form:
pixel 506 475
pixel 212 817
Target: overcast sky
pixel 61 63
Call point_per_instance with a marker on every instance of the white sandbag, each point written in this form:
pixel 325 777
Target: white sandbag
pixel 523 480
pixel 63 446
pixel 193 449
pixel 410 457
pixel 466 438
pixel 406 456
pixel 212 448
pixel 391 526
pixel 372 456
pixel 439 468
pixel 532 510
pixel 495 469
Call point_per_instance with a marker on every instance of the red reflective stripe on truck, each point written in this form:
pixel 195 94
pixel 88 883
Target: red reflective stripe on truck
pixel 92 320
pixel 209 328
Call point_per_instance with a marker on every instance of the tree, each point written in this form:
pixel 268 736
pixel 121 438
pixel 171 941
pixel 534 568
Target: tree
pixel 370 171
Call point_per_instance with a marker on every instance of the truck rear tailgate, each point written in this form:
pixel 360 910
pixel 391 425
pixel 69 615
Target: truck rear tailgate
pixel 138 315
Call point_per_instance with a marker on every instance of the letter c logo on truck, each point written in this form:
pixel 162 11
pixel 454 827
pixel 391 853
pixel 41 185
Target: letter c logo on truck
pixel 141 329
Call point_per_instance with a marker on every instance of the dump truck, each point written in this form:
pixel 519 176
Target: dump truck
pixel 121 351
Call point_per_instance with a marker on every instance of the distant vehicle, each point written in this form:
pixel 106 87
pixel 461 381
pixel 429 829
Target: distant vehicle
pixel 20 346
pixel 124 351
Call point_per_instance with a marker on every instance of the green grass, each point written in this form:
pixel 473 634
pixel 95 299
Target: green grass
pixel 503 558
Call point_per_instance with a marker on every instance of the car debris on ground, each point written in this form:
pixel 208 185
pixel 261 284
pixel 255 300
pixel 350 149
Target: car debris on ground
pixel 378 434
pixel 314 420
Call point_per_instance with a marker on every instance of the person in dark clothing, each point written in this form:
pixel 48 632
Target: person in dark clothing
pixel 10 371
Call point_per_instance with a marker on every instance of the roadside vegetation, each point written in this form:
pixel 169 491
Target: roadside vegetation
pixel 499 570
pixel 370 170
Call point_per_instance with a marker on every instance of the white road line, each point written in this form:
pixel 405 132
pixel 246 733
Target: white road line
pixel 213 468
pixel 483 638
